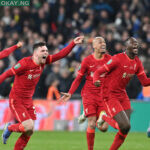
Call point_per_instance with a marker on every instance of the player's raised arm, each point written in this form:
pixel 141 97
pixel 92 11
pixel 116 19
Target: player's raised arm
pixel 65 51
pixel 6 52
pixel 75 84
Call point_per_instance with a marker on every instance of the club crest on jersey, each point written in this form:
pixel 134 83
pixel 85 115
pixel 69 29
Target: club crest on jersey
pixel 17 66
pixel 124 75
pixel 92 74
pixel 30 76
pixel 109 62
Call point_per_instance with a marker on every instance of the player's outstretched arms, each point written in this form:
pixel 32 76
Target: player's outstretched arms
pixel 144 80
pixel 65 51
pixel 6 52
pixel 5 75
pixel 64 98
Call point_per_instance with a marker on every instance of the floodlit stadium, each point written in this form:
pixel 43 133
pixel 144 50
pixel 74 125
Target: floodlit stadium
pixel 54 55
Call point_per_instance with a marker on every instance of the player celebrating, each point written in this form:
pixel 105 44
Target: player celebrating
pixel 6 52
pixel 27 74
pixel 119 71
pixel 92 102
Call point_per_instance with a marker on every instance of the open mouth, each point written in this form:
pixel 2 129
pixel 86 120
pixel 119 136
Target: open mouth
pixel 44 57
pixel 103 52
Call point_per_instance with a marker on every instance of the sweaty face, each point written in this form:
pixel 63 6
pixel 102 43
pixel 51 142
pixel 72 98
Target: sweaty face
pixel 42 53
pixel 99 45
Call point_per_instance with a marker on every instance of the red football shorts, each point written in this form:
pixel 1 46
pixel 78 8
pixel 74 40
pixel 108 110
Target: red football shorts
pixel 93 107
pixel 21 111
pixel 117 104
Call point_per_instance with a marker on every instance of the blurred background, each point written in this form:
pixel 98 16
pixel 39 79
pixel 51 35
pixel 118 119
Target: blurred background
pixel 59 21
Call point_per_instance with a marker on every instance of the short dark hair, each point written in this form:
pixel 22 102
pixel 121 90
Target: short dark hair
pixel 39 44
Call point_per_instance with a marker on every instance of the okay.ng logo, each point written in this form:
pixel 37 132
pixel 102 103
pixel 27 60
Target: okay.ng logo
pixel 14 2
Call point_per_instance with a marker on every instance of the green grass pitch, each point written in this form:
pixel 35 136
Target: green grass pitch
pixel 77 141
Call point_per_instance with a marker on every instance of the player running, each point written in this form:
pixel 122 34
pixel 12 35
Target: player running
pixel 27 73
pixel 92 102
pixel 6 52
pixel 120 69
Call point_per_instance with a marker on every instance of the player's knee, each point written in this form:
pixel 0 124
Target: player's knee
pixel 125 128
pixel 92 124
pixel 28 125
pixel 29 133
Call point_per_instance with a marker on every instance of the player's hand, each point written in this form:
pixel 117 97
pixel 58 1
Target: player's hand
pixel 78 40
pixel 19 44
pixel 65 97
pixel 97 83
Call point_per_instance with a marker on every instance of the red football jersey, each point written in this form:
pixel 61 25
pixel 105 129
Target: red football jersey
pixel 120 70
pixel 88 66
pixel 27 75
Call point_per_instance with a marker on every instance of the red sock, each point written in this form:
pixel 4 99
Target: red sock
pixel 21 142
pixel 16 128
pixel 119 139
pixel 90 134
pixel 111 122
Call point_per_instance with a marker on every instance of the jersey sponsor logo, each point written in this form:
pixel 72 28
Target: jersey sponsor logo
pixel 30 76
pixel 36 75
pixel 17 66
pixel 109 62
pixel 125 75
pixel 130 75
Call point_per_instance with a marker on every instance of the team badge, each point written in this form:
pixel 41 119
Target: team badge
pixel 124 75
pixel 17 66
pixel 30 76
pixel 109 62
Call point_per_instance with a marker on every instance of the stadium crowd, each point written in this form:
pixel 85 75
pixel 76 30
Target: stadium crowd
pixel 57 22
